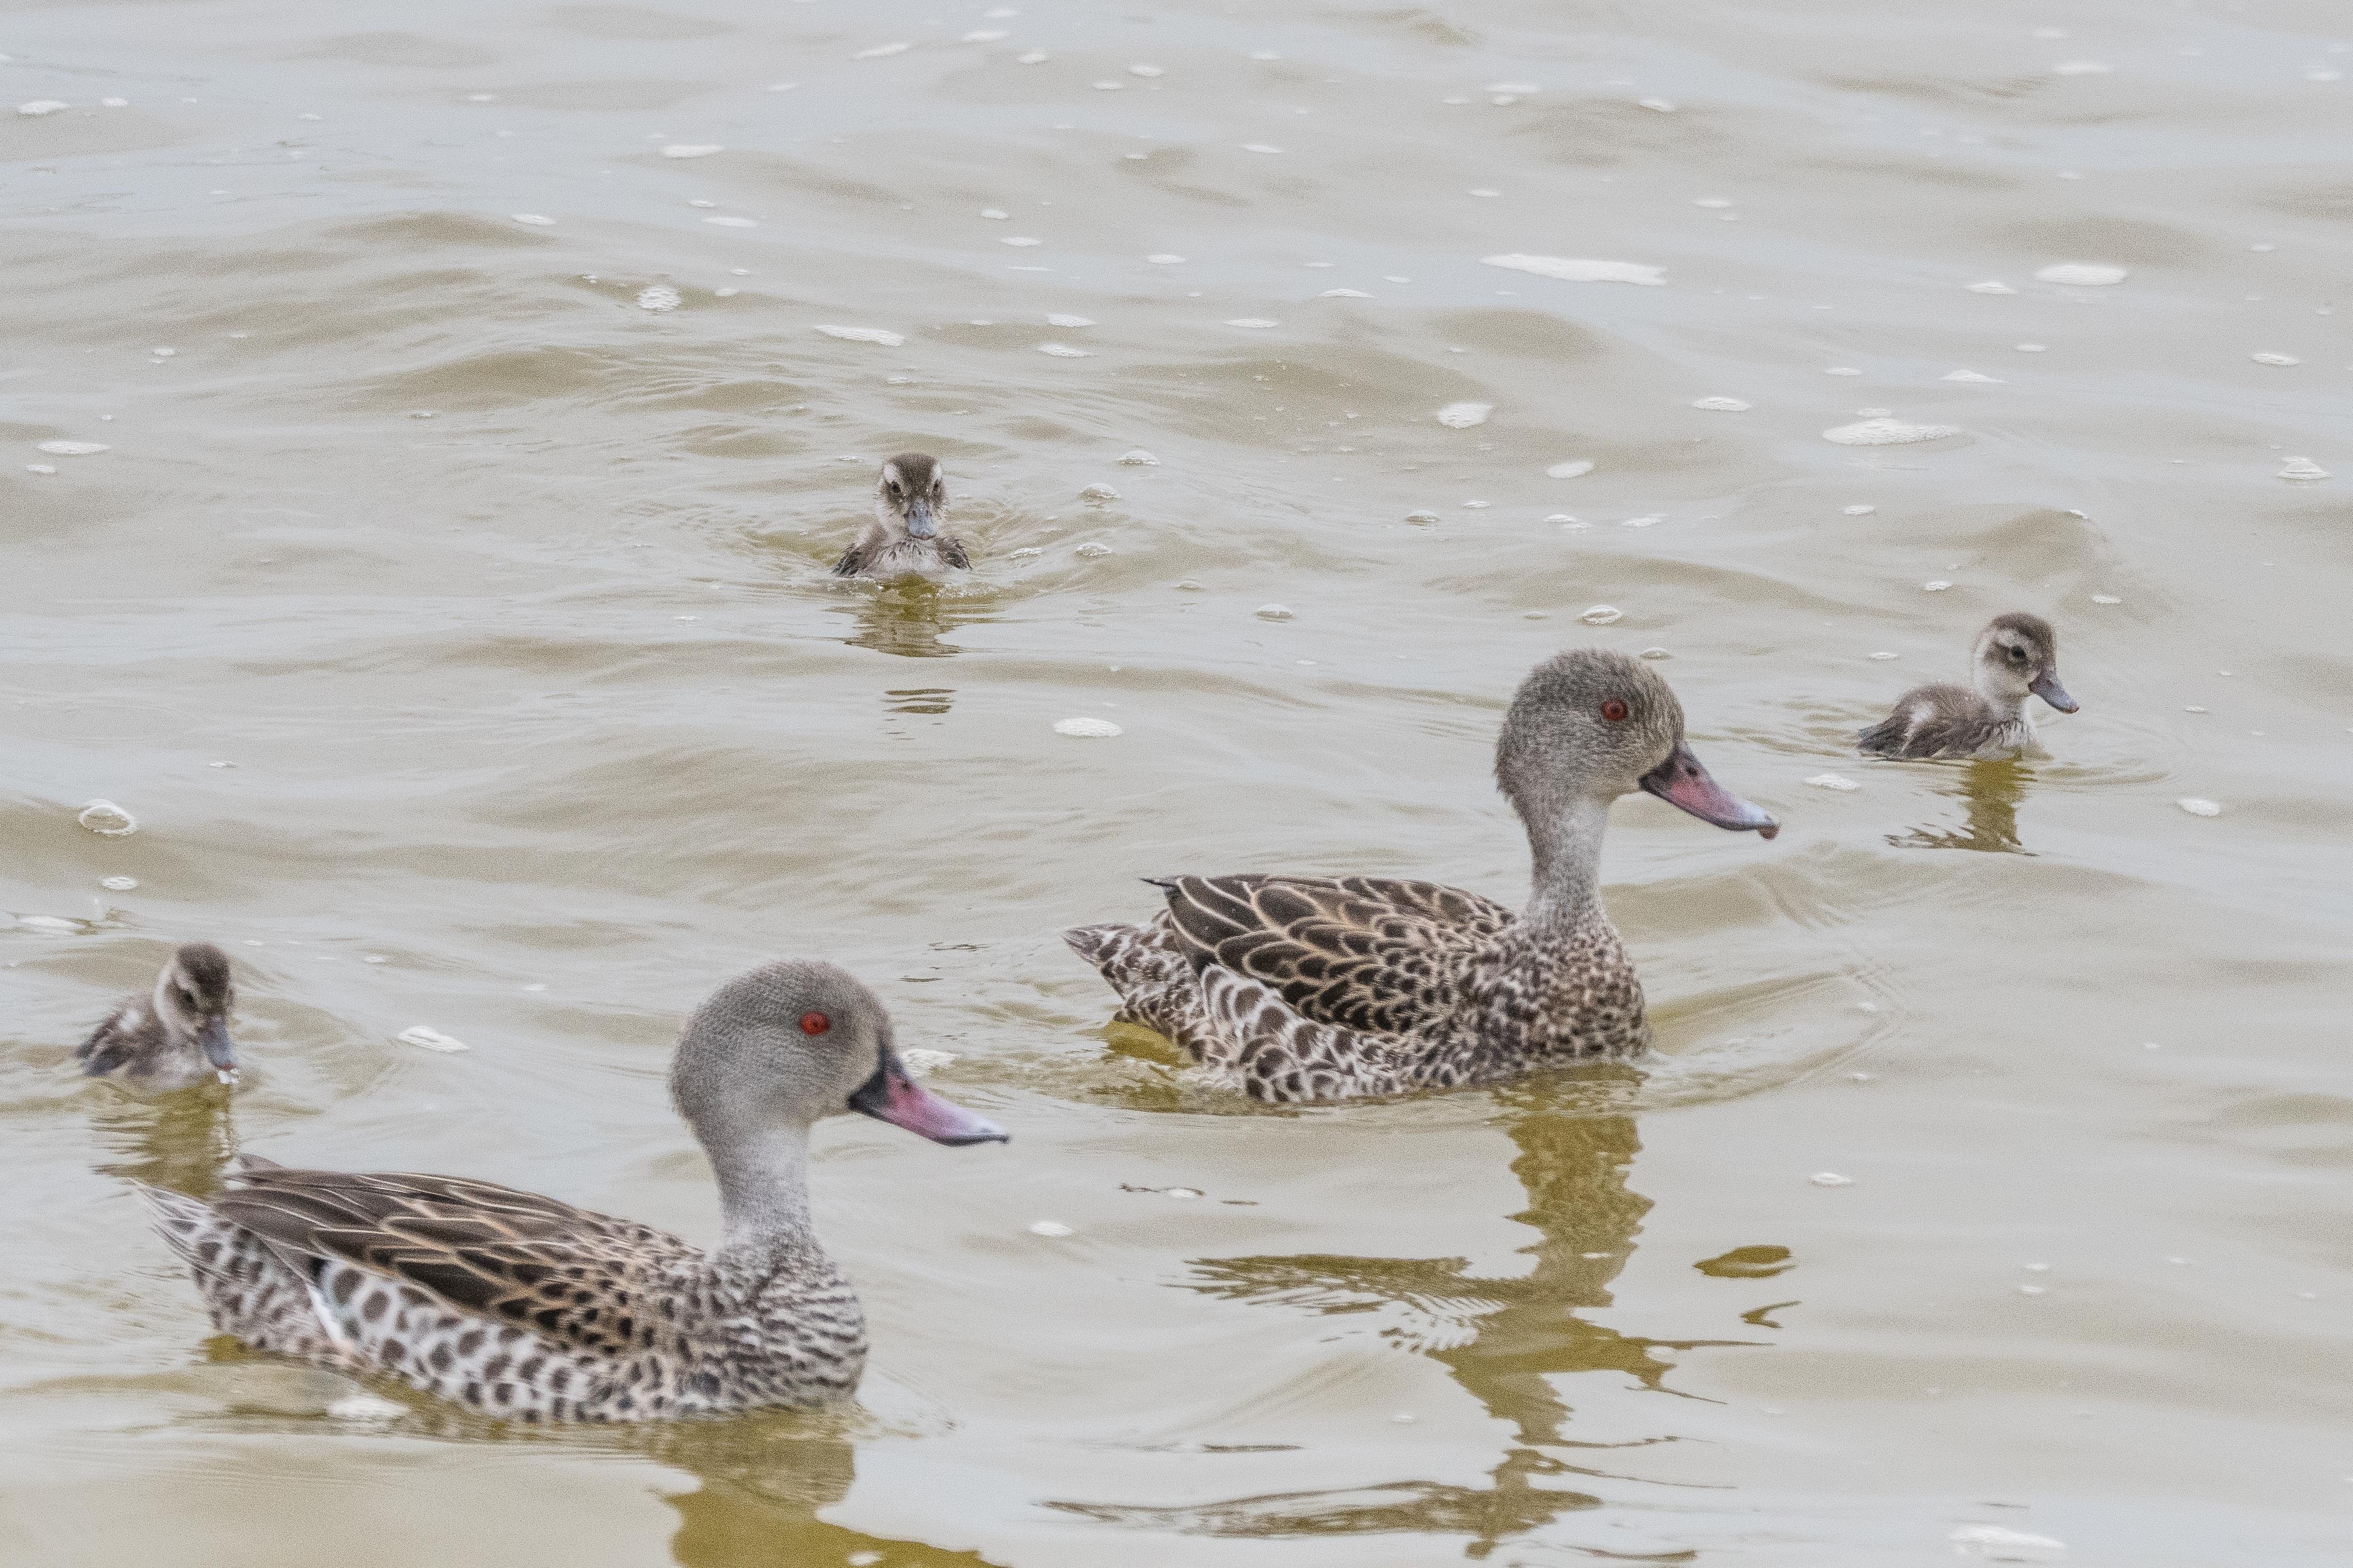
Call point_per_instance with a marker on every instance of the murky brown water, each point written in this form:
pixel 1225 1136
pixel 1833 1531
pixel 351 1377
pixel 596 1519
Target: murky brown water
pixel 545 701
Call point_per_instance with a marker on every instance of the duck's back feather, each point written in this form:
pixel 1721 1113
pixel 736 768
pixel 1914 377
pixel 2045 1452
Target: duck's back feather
pixel 566 1273
pixel 1368 953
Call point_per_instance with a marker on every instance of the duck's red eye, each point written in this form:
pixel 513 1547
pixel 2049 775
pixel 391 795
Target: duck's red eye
pixel 815 1023
pixel 1613 710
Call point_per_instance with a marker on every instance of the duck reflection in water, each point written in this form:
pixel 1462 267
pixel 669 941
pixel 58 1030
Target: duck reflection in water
pixel 1991 791
pixel 764 1479
pixel 180 1143
pixel 1508 1342
pixel 909 618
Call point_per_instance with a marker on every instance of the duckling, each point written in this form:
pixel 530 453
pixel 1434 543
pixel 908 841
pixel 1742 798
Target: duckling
pixel 2016 655
pixel 910 502
pixel 175 1037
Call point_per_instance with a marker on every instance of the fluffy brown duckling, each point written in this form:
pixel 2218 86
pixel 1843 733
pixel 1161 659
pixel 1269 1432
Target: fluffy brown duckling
pixel 2017 656
pixel 177 1035
pixel 911 504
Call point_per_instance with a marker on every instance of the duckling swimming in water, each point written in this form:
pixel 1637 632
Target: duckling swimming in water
pixel 177 1035
pixel 2017 655
pixel 910 502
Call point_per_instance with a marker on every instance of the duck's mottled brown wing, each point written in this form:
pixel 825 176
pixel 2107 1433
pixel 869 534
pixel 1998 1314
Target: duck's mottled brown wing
pixel 1370 954
pixel 579 1278
pixel 952 552
pixel 853 560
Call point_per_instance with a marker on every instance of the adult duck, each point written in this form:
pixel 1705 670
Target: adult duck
pixel 175 1037
pixel 1321 988
pixel 529 1308
pixel 911 505
pixel 2015 657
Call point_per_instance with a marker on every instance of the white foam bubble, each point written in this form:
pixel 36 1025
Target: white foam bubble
pixel 888 339
pixel 1570 269
pixel 1972 375
pixel 2302 468
pixel 1258 147
pixel 1570 470
pixel 1714 204
pixel 1833 782
pixel 923 1062
pixel 727 222
pixel 107 819
pixel 1842 370
pixel 2084 274
pixel 1145 71
pixel 2081 67
pixel 1602 616
pixel 42 106
pixel 1137 457
pixel 1062 321
pixel 1034 58
pixel 119 884
pixel 2275 359
pixel 657 296
pixel 984 36
pixel 2196 806
pixel 1253 322
pixel 74 449
pixel 1831 1179
pixel 882 51
pixel 1936 587
pixel 2106 599
pixel 1722 404
pixel 431 1040
pixel 1463 415
pixel 1884 431
pixel 1344 294
pixel 1272 611
pixel 1864 509
pixel 1098 493
pixel 1050 1227
pixel 1020 240
pixel 1989 286
pixel 1064 351
pixel 1161 259
pixel 693 150
pixel 1658 105
pixel 1997 1545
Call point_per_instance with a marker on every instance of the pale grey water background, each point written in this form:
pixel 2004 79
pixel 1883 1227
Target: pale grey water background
pixel 546 701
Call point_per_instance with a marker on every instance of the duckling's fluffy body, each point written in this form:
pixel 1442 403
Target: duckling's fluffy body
pixel 910 506
pixel 2016 657
pixel 1320 988
pixel 176 1036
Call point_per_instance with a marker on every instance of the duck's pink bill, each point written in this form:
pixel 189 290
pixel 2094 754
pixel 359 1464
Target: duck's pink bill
pixel 1681 783
pixel 891 1095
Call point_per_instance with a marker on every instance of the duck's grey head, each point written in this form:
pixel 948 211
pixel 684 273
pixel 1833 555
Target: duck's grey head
pixel 1591 725
pixel 911 497
pixel 194 996
pixel 791 1043
pixel 2018 654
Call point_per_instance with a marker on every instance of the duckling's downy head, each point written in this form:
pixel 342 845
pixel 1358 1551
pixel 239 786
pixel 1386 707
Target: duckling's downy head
pixel 790 1043
pixel 194 996
pixel 2018 654
pixel 911 498
pixel 1591 725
